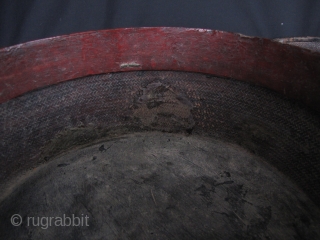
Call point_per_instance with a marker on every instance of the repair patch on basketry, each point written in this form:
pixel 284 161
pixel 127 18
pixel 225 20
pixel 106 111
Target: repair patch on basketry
pixel 160 106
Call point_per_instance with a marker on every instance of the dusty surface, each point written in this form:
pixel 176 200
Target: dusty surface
pixel 311 43
pixel 39 125
pixel 160 186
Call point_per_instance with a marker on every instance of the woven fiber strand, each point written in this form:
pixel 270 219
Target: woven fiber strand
pixel 43 123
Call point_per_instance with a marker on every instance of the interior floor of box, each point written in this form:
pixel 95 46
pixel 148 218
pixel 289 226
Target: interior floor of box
pixel 155 185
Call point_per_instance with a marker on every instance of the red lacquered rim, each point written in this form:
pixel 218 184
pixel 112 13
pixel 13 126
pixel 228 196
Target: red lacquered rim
pixel 289 70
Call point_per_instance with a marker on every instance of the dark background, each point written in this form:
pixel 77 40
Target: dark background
pixel 25 20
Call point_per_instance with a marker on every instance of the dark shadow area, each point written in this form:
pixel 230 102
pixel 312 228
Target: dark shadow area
pixel 22 21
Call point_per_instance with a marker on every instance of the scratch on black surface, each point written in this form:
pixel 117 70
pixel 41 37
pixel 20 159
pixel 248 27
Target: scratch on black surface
pixel 102 149
pixel 63 164
pixel 226 182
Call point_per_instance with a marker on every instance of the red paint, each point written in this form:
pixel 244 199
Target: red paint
pixel 285 69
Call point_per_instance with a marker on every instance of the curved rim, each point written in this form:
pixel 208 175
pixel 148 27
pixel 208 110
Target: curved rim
pixel 288 70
